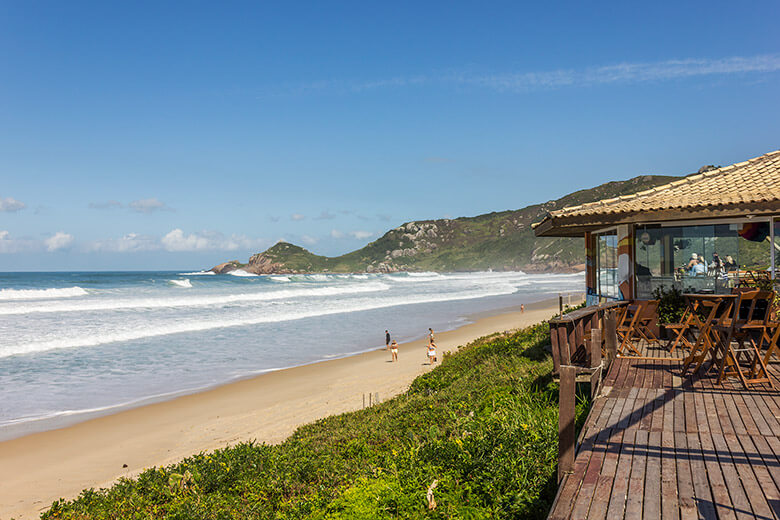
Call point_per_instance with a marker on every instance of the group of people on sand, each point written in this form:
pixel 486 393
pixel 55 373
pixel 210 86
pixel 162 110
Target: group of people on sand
pixel 392 345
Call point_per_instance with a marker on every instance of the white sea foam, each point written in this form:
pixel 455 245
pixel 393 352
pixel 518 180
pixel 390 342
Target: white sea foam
pixel 240 272
pixel 41 294
pixel 192 301
pixel 279 278
pixel 319 277
pixel 198 273
pixel 182 283
pixel 285 314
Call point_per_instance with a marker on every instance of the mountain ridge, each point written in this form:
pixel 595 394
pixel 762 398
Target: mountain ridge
pixel 500 240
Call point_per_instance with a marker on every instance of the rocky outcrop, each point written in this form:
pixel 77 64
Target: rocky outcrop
pixel 227 267
pixel 262 263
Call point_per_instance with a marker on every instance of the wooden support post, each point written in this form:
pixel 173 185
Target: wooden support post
pixel 595 361
pixel 610 335
pixel 560 305
pixel 566 412
pixel 370 395
pixel 364 400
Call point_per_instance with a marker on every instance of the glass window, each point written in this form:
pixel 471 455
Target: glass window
pixel 607 265
pixel 707 258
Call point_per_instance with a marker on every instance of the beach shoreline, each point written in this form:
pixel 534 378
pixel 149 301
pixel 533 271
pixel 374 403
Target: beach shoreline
pixel 39 468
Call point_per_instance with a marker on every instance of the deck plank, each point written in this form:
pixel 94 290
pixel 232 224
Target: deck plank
pixel 657 445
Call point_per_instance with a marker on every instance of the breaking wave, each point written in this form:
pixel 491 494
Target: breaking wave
pixel 192 301
pixel 41 294
pixel 285 314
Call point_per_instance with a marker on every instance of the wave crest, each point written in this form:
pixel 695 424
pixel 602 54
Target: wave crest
pixel 41 294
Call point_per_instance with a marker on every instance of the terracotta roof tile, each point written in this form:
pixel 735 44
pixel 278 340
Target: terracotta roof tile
pixel 755 180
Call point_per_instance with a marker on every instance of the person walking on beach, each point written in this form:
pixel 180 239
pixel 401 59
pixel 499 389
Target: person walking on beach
pixel 387 340
pixel 431 353
pixel 430 335
pixel 393 351
pixel 522 308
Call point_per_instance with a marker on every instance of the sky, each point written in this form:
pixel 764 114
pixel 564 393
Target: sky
pixel 177 135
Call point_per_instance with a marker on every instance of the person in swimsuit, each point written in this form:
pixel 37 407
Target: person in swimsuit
pixel 394 351
pixel 431 353
pixel 387 339
pixel 430 335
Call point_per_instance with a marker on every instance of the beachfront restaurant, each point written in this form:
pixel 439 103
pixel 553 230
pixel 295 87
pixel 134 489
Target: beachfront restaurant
pixel 706 233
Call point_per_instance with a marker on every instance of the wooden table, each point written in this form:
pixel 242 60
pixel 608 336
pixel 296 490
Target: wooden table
pixel 719 305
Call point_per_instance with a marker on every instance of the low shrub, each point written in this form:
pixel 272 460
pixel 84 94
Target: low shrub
pixel 482 426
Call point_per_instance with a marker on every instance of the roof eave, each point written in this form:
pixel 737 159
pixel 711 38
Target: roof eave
pixel 574 226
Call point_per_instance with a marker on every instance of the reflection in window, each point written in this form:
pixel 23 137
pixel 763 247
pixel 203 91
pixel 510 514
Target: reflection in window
pixel 705 258
pixel 607 265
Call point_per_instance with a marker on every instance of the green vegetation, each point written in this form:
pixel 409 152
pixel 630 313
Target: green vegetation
pixel 499 241
pixel 482 425
pixel 671 304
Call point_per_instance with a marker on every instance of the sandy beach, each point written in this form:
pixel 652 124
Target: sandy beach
pixel 39 468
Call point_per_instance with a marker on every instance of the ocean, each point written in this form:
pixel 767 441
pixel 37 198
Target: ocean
pixel 79 344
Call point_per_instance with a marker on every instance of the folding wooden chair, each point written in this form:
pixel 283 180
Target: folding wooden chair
pixel 704 345
pixel 772 336
pixel 746 328
pixel 646 319
pixel 680 330
pixel 627 331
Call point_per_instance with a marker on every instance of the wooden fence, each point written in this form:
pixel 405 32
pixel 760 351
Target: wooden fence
pixel 578 341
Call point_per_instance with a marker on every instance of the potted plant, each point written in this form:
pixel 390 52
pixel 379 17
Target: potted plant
pixel 671 305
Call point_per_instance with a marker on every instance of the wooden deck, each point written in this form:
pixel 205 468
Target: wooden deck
pixel 656 445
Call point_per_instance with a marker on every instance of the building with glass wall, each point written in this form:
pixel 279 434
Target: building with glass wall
pixel 703 233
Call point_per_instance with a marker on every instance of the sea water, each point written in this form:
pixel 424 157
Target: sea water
pixel 74 345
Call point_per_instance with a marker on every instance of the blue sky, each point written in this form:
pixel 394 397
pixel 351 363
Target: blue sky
pixel 175 135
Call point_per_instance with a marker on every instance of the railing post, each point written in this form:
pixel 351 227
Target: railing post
pixel 566 413
pixel 610 335
pixel 595 361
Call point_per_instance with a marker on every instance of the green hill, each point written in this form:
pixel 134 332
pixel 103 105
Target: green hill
pixel 499 241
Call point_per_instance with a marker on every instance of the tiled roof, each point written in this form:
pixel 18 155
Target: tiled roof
pixel 753 181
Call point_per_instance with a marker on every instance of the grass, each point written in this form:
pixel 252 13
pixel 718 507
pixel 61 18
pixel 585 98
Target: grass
pixel 482 425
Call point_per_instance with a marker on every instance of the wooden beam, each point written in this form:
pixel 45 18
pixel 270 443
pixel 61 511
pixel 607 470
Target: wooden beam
pixel 610 335
pixel 566 416
pixel 595 361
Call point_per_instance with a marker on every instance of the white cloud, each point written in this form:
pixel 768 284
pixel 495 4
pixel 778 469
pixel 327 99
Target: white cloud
pixel 177 241
pixel 549 79
pixel 9 244
pixel 111 204
pixel 308 240
pixel 130 243
pixel 148 206
pixel 59 240
pixel 11 205
pixel 359 235
pixel 297 216
pixel 326 215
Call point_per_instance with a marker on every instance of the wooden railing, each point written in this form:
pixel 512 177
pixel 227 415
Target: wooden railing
pixel 578 340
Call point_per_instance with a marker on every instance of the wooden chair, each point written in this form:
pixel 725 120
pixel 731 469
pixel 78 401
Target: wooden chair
pixel 772 338
pixel 704 345
pixel 627 331
pixel 746 328
pixel 646 319
pixel 680 331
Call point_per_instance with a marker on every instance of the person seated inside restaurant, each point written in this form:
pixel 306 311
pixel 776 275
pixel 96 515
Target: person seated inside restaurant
pixel 696 266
